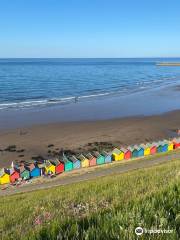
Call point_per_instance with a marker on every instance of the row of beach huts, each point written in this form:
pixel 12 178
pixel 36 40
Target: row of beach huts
pixel 64 163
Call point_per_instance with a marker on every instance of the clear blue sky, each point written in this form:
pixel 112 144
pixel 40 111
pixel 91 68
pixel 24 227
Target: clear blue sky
pixel 89 28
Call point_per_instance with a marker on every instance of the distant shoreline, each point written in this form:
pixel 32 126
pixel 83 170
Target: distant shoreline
pixel 169 64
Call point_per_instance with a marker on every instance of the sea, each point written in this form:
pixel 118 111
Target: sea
pixel 26 83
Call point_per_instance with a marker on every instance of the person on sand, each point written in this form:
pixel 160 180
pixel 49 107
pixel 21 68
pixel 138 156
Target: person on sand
pixel 76 99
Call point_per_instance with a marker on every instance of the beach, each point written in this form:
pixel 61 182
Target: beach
pixel 142 104
pixel 80 136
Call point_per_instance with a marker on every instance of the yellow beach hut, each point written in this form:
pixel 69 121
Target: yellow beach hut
pixel 170 145
pixel 117 155
pixel 50 168
pixel 4 176
pixel 147 149
pixel 84 161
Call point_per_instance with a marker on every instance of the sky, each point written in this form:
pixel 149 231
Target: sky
pixel 89 28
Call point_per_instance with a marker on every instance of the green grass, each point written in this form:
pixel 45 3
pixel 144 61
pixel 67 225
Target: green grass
pixel 107 208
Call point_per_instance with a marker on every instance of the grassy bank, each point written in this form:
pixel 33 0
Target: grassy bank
pixel 107 208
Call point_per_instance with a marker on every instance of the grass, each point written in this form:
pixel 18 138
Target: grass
pixel 107 208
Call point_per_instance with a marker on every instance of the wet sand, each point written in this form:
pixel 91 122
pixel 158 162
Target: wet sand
pixel 79 136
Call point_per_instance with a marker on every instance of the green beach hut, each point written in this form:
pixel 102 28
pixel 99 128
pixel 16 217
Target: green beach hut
pixel 24 172
pixel 68 165
pixel 100 159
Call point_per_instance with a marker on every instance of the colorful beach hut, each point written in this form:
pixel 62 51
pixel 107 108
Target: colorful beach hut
pixel 127 153
pixel 117 155
pixel 176 142
pixel 170 145
pixel 84 161
pixel 153 148
pixel 68 165
pixel 134 151
pixel 4 176
pixel 147 149
pixel 159 147
pixel 14 175
pixel 100 159
pixel 164 146
pixel 76 162
pixel 107 157
pixel 34 170
pixel 42 167
pixel 50 168
pixel 92 159
pixel 59 166
pixel 24 172
pixel 140 151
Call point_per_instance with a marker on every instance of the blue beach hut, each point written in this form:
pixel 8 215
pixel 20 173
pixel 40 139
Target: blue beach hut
pixel 34 170
pixel 134 151
pixel 140 151
pixel 164 146
pixel 76 162
pixel 107 157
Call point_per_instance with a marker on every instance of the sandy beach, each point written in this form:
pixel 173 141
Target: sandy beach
pixel 48 139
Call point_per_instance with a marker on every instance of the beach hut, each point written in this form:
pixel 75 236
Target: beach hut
pixel 34 170
pixel 170 145
pixel 159 147
pixel 92 159
pixel 134 151
pixel 140 151
pixel 176 142
pixel 127 153
pixel 100 159
pixel 24 172
pixel 4 176
pixel 68 165
pixel 153 148
pixel 147 149
pixel 84 161
pixel 42 167
pixel 50 168
pixel 164 146
pixel 117 155
pixel 14 175
pixel 76 162
pixel 59 166
pixel 107 157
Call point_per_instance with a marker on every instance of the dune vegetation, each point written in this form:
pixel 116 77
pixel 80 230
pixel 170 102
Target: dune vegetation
pixel 106 208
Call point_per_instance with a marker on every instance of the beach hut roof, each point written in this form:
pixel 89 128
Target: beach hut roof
pixel 81 157
pixel 104 153
pixel 31 166
pixel 139 148
pixel 55 162
pixel 48 164
pixel 41 165
pixel 89 156
pixel 64 159
pixel 4 171
pixel 96 154
pixel 73 159
pixel 124 150
pixel 130 148
pixel 12 170
pixel 143 145
pixel 116 151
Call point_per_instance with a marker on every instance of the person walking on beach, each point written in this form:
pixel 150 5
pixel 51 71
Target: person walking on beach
pixel 76 99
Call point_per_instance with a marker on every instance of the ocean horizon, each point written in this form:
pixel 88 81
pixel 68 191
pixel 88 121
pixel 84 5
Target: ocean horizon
pixel 38 82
